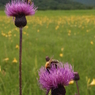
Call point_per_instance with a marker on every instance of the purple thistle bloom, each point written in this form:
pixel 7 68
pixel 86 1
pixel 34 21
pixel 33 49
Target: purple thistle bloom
pixel 57 76
pixel 16 8
pixel 19 9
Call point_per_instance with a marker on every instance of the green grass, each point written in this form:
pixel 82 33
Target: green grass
pixel 47 33
pixel 65 12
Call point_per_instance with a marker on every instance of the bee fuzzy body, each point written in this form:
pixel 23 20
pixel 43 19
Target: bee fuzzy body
pixel 28 1
pixel 49 63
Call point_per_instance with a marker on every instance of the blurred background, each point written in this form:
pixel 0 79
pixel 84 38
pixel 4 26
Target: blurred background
pixel 59 4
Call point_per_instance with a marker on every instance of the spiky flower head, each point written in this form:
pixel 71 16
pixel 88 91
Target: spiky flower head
pixel 57 76
pixel 18 7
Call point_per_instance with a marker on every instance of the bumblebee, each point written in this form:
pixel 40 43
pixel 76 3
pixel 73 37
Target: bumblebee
pixel 28 1
pixel 49 62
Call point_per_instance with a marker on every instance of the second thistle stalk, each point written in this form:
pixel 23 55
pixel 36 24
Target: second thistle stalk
pixel 20 60
pixel 76 78
pixel 77 87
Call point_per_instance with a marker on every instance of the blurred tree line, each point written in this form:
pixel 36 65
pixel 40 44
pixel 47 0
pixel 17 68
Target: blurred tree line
pixel 59 4
pixel 53 4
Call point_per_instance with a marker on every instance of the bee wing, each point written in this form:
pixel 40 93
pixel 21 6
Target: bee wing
pixel 50 60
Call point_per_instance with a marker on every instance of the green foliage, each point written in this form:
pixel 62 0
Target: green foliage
pixel 59 4
pixel 86 2
pixel 54 4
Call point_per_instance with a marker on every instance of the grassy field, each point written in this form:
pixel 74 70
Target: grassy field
pixel 69 36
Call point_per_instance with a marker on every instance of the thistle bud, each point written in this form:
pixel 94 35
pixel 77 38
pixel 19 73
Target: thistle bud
pixel 20 21
pixel 76 76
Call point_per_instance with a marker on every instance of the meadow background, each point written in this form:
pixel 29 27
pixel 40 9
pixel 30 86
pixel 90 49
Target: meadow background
pixel 68 36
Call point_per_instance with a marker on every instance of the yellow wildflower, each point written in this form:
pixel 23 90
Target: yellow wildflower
pixel 6 36
pixel 92 83
pixel 87 30
pixel 26 27
pixel 9 32
pixel 24 32
pixel 91 42
pixel 14 35
pixel 16 29
pixel 0 68
pixel 17 46
pixel 3 34
pixel 14 60
pixel 71 82
pixel 69 31
pixel 62 49
pixel 9 35
pixel 56 27
pixel 6 59
pixel 61 55
pixel 38 30
pixel 69 34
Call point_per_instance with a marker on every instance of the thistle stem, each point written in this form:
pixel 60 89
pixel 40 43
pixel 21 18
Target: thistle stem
pixel 20 59
pixel 77 87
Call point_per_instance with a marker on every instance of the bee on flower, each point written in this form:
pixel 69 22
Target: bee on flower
pixel 55 76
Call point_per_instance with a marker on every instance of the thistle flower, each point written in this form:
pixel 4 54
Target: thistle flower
pixel 56 79
pixel 16 8
pixel 19 9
